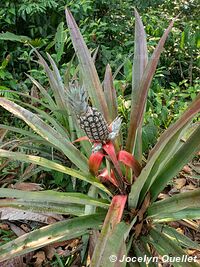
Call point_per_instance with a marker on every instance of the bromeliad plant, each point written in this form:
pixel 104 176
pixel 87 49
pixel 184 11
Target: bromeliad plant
pixel 122 201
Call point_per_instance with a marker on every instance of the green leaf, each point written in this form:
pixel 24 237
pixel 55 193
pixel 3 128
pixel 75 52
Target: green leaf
pixel 176 163
pixel 174 204
pixel 43 92
pixel 43 207
pixel 60 41
pixel 165 246
pixel 20 131
pixel 177 237
pixel 56 232
pixel 47 117
pixel 53 166
pixel 190 213
pixel 9 36
pixel 55 82
pixel 142 248
pixel 54 197
pixel 115 245
pixel 48 133
pixel 164 149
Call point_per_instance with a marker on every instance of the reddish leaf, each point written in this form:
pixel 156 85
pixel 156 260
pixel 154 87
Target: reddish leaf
pixel 95 162
pixel 110 225
pixel 116 210
pixel 111 178
pixel 89 73
pixel 137 110
pixel 129 160
pixel 110 93
pixel 110 150
pixel 82 138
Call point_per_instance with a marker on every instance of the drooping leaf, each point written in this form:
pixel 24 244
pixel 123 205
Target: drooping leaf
pixel 53 166
pixel 59 231
pixel 53 196
pixel 47 132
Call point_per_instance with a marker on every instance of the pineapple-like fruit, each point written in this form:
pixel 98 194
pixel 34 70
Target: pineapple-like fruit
pixel 90 119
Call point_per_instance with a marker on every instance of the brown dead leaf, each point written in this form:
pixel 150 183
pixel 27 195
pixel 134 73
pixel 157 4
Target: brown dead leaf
pixel 21 261
pixel 187 169
pixel 49 251
pixel 180 230
pixel 144 207
pixel 188 187
pixel 174 224
pixel 15 214
pixel 195 167
pixel 4 226
pixel 18 261
pixel 138 229
pixel 25 228
pixel 16 229
pixel 92 241
pixel 179 183
pixel 2 134
pixel 27 186
pixel 40 258
pixel 163 196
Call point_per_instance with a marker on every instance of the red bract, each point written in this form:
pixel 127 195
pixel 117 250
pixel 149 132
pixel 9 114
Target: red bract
pixel 110 150
pixel 110 177
pixel 130 161
pixel 115 175
pixel 95 162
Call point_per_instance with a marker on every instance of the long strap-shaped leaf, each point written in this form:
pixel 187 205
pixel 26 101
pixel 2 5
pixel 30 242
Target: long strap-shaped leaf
pixel 54 80
pixel 43 207
pixel 111 223
pixel 53 196
pixel 89 73
pixel 176 163
pixel 60 231
pixel 138 108
pixel 110 93
pixel 164 140
pixel 53 166
pixel 47 132
pixel 166 247
pixel 139 64
pixel 178 237
pixel 175 203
